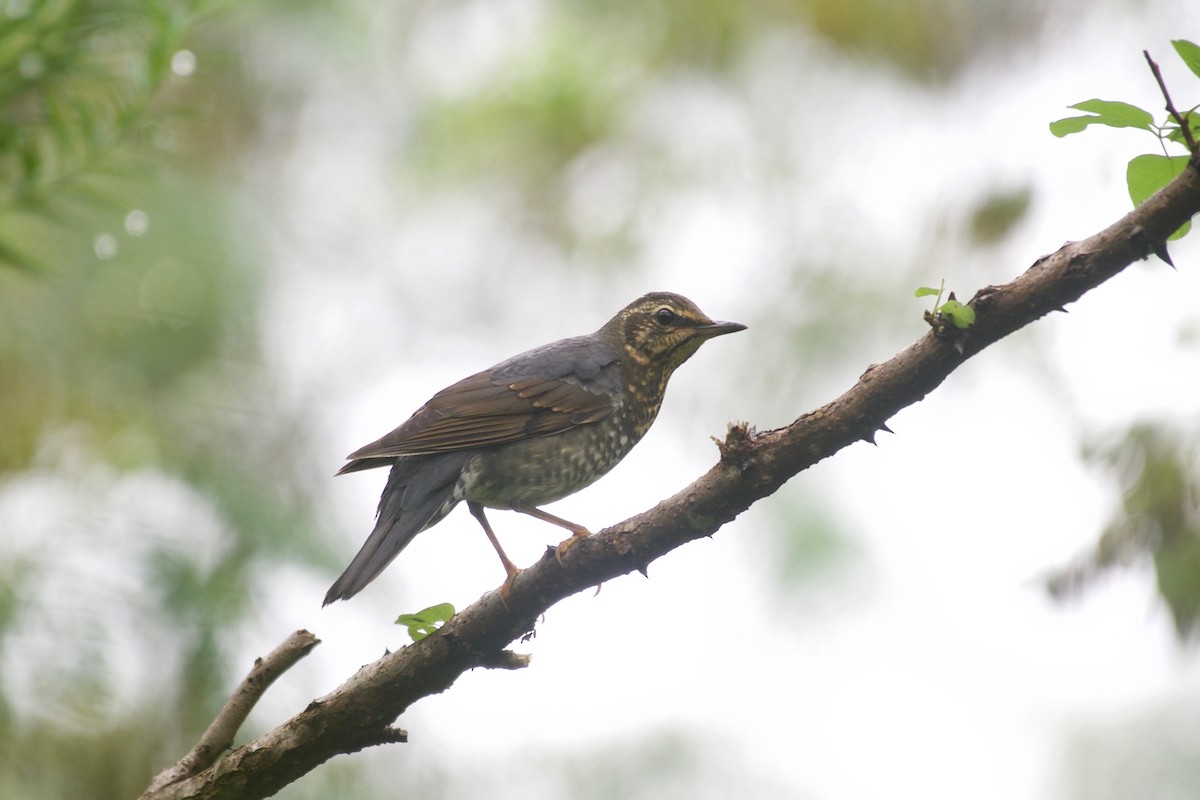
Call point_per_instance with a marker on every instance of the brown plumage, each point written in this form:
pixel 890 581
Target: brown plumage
pixel 527 431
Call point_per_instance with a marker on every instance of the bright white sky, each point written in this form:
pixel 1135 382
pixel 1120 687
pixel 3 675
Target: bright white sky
pixel 930 664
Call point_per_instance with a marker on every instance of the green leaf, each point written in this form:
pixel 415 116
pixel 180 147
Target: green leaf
pixel 426 621
pixel 926 291
pixel 1068 125
pixel 1112 113
pixel 960 316
pixel 1117 114
pixel 1148 173
pixel 1190 53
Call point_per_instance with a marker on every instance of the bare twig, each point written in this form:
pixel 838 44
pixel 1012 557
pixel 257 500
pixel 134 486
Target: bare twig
pixel 219 736
pixel 1184 127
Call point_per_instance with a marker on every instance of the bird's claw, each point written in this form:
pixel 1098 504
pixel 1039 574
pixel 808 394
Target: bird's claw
pixel 567 544
pixel 506 587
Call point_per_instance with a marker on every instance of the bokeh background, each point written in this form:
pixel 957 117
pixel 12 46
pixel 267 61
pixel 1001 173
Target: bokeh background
pixel 239 240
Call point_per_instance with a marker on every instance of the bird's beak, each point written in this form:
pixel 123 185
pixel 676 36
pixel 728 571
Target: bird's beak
pixel 718 328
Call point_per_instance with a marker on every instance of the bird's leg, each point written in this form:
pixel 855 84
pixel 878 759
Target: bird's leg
pixel 577 531
pixel 509 567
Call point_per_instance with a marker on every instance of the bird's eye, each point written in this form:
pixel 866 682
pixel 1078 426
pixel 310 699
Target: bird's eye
pixel 664 316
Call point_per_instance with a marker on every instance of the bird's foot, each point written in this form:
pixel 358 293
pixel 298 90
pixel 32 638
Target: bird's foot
pixel 567 544
pixel 506 587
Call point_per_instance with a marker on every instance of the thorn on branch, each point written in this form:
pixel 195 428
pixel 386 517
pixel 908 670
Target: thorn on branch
pixel 879 428
pixel 1160 250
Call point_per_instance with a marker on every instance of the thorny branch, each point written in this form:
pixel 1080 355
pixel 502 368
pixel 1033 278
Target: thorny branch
pixel 753 465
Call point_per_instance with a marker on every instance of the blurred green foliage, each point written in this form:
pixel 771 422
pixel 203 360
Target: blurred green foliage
pixel 926 40
pixel 930 40
pixel 558 98
pixel 996 214
pixel 568 89
pixel 127 358
pixel 1158 472
pixel 76 83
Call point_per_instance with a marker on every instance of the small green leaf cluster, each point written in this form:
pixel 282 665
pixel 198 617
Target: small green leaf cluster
pixel 426 621
pixel 957 314
pixel 1147 173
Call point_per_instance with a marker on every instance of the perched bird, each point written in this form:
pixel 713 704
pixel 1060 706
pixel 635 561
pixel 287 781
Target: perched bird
pixel 528 431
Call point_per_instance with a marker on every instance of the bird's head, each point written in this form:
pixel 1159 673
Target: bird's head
pixel 661 330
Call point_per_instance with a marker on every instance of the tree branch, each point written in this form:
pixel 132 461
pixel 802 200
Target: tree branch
pixel 219 736
pixel 752 466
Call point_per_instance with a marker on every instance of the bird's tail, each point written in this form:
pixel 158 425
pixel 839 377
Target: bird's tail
pixel 419 492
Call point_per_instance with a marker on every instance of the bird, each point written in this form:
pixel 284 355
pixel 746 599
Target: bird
pixel 528 431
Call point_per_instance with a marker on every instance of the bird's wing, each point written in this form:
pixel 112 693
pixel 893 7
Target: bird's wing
pixel 544 391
